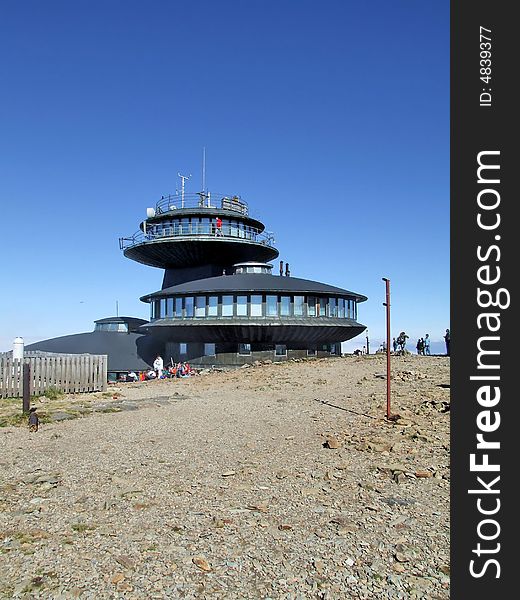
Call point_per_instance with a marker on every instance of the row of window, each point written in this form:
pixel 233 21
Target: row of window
pixel 121 327
pixel 245 349
pixel 202 226
pixel 252 305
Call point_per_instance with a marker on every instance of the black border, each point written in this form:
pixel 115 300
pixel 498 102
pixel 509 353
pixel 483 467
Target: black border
pixel 476 128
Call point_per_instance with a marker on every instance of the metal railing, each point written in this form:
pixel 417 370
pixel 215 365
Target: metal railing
pixel 201 200
pixel 204 231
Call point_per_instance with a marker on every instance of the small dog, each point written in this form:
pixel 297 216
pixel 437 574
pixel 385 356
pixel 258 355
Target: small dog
pixel 34 421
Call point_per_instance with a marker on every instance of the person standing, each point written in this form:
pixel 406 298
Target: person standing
pixel 218 230
pixel 447 340
pixel 427 344
pixel 394 344
pixel 158 366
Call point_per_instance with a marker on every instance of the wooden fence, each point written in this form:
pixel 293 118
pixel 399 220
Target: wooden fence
pixel 69 373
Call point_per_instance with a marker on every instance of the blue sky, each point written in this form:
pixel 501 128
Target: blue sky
pixel 331 119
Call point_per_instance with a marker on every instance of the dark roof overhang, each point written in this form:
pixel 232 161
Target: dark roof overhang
pixel 253 282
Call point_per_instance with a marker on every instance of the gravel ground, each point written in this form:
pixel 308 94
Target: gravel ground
pixel 280 481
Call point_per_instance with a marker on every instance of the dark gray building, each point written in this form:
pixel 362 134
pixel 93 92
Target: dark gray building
pixel 219 302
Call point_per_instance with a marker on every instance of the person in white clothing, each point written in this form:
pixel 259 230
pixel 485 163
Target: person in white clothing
pixel 158 366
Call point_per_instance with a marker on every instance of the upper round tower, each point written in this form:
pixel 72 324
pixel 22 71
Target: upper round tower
pixel 192 230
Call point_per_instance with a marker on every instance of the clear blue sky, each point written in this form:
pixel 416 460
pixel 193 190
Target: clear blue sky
pixel 331 119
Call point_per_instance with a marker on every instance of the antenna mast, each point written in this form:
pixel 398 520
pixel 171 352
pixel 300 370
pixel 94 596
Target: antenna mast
pixel 183 178
pixel 203 169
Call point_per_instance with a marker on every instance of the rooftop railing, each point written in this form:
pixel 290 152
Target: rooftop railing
pixel 201 200
pixel 204 231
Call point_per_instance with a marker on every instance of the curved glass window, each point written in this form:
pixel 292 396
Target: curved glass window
pixel 205 225
pixel 227 306
pixel 341 308
pixel 285 306
pixel 332 309
pixel 200 306
pixel 241 306
pixel 256 306
pixel 298 306
pixel 188 306
pixel 311 306
pixel 212 306
pixel 119 327
pixel 271 306
pixel 178 307
pixel 169 307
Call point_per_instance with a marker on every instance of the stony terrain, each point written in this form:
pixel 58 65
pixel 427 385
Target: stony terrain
pixel 274 481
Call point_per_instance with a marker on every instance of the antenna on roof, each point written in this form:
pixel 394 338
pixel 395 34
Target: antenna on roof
pixel 183 178
pixel 203 169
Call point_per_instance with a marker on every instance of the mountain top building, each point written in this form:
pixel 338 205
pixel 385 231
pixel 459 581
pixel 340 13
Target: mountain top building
pixel 220 303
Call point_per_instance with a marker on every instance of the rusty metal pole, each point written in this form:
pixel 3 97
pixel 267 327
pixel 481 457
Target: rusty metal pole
pixel 26 378
pixel 387 304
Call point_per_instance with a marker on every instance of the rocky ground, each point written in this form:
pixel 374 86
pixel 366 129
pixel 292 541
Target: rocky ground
pixel 274 481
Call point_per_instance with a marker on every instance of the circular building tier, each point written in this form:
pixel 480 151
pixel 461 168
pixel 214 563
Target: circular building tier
pixel 191 232
pixel 192 251
pixel 254 308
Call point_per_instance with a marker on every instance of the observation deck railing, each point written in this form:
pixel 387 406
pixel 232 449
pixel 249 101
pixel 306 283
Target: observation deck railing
pixel 201 200
pixel 199 230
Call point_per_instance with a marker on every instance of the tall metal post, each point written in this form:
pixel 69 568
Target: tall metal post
pixel 387 304
pixel 368 343
pixel 26 378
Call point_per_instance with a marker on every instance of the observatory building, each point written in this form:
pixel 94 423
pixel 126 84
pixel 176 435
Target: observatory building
pixel 220 302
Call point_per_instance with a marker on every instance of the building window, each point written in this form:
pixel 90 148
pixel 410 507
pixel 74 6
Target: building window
pixel 157 313
pixel 227 306
pixel 188 306
pixel 271 305
pixel 244 349
pixel 241 306
pixel 341 308
pixel 311 352
pixel 120 327
pixel 332 310
pixel 212 306
pixel 285 306
pixel 209 349
pixel 322 308
pixel 183 348
pixel 256 306
pixel 178 307
pixel 200 306
pixel 298 306
pixel 169 307
pixel 205 227
pixel 162 309
pixel 280 350
pixel 311 306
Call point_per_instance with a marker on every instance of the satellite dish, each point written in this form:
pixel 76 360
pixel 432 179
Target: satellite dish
pixel 150 212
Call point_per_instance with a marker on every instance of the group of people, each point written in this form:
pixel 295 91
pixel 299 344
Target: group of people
pixel 422 346
pixel 159 371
